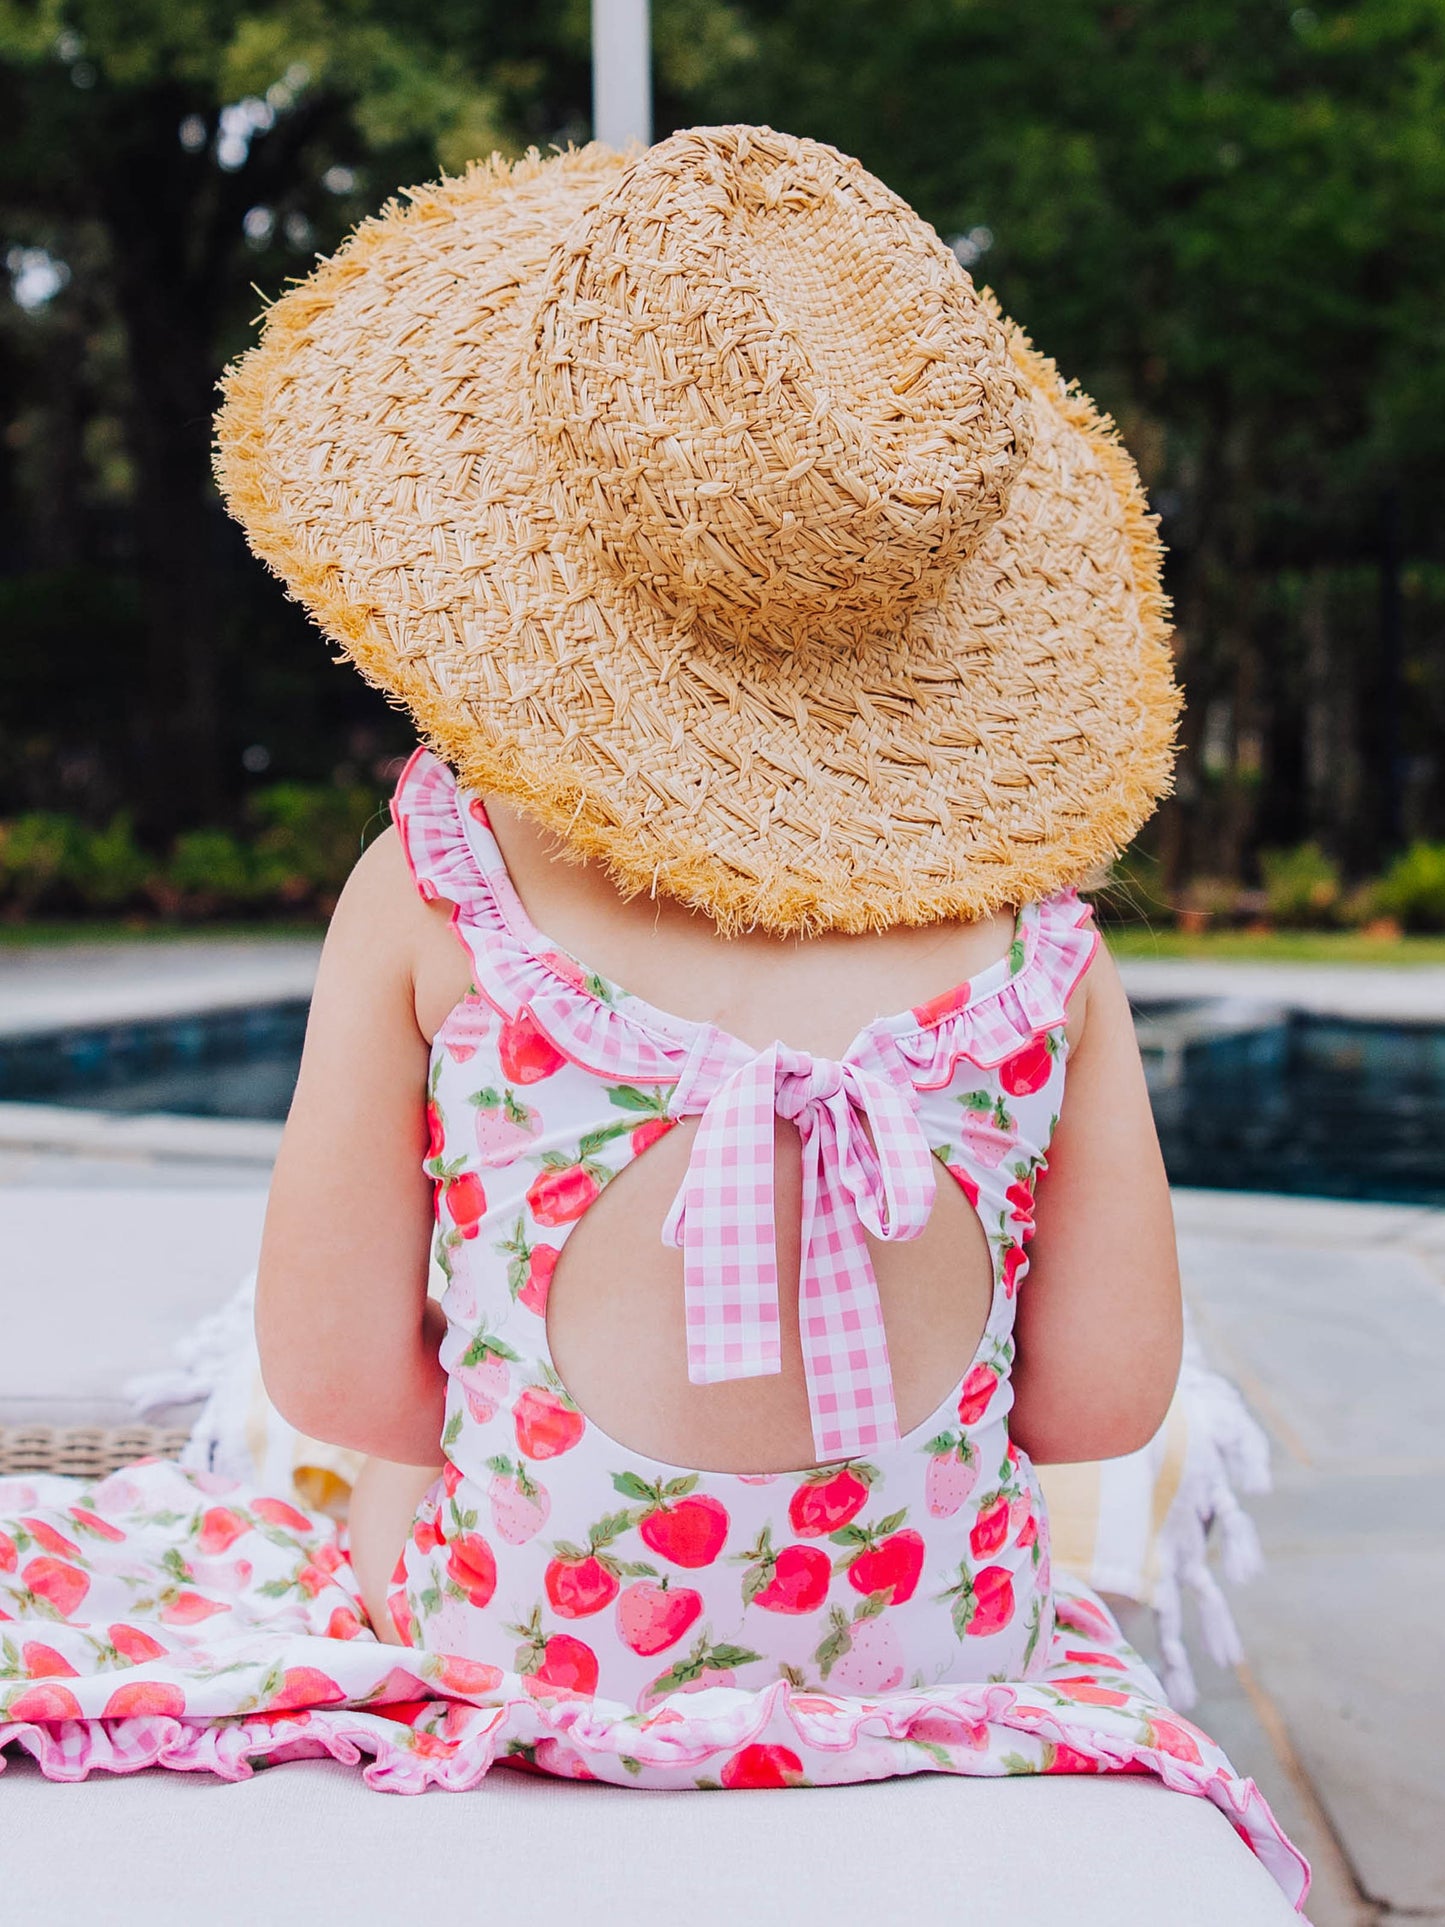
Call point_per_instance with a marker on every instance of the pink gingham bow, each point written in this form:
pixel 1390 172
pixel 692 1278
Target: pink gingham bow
pixel 723 1221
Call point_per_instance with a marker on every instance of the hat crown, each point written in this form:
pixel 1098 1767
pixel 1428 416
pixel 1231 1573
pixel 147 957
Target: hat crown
pixel 768 392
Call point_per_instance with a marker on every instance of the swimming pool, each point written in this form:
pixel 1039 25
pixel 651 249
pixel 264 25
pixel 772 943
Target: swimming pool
pixel 1245 1098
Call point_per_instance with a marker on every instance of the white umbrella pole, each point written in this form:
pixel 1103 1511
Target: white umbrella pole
pixel 621 72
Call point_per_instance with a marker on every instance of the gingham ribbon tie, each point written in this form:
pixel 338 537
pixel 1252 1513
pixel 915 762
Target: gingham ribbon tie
pixel 723 1221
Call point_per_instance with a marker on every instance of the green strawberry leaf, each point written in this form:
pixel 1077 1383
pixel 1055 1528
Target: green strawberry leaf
pixel 729 1657
pixel 627 1097
pixel 631 1487
pixel 891 1523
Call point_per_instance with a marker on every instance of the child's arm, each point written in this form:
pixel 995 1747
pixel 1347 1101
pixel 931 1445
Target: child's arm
pixel 348 1340
pixel 1099 1319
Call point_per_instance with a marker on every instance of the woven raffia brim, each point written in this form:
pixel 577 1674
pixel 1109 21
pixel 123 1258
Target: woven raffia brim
pixel 420 448
pixel 84 1451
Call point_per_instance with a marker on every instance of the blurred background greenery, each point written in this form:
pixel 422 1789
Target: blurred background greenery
pixel 1226 218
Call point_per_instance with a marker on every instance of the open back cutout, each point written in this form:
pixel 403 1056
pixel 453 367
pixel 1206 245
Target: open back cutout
pixel 615 1324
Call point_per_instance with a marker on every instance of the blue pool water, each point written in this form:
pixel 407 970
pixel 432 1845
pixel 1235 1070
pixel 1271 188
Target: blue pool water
pixel 1292 1102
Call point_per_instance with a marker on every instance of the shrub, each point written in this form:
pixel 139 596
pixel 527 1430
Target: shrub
pixel 1412 890
pixel 309 836
pixel 108 867
pixel 36 854
pixel 1301 886
pixel 209 868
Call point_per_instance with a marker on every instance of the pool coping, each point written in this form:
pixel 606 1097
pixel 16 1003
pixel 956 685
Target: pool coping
pixel 141 1134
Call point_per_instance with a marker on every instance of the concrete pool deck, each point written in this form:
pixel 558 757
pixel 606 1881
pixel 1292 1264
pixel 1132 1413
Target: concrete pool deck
pixel 1330 1317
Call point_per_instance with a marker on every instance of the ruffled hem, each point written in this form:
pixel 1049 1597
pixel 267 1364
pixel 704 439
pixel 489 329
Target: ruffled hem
pixel 222 1630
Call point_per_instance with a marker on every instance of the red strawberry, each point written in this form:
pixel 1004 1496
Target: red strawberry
pixel 555 1663
pixel 690 1533
pixel 436 1132
pixel 563 1192
pixel 1176 1738
pixel 145 1697
pixel 477 811
pixel 305 1686
pixel 1014 1265
pixel 276 1512
pixel 472 1565
pixel 579 1586
pixel 428 1533
pixel 527 1053
pixel 343 1624
pixel 892 1566
pixel 9 1556
pixel 763 1766
pixel 44 1703
pixel 944 1005
pixel 220 1529
pixel 1028 1069
pixel 648 1133
pixel 965 1183
pixel 540 1266
pixel 795 1580
pixel 62 1585
pixel 451 1479
pixel 460 1675
pixel 651 1618
pixel 43 1662
pixel 520 1505
pixel 466 1202
pixel 101 1527
pixel 50 1540
pixel 189 1608
pixel 990 1528
pixel 1059 1758
pixel 1089 1692
pixel 1020 1200
pixel 829 1498
pixel 977 1394
pixel 983 1602
pixel 951 1476
pixel 132 1644
pixel 547 1423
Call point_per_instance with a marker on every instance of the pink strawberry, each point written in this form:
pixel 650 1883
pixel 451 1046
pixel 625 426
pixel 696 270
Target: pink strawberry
pixel 102 1528
pixel 986 1128
pixel 503 1125
pixel 189 1608
pixel 1023 1524
pixel 132 1644
pixel 485 1379
pixel 794 1580
pixel 990 1528
pixel 862 1655
pixel 527 1053
pixel 546 1422
pixel 472 1565
pixel 977 1394
pixel 44 1703
pixel 564 1191
pixel 1083 1616
pixel 829 1498
pixel 276 1512
pixel 891 1566
pixel 520 1505
pixel 983 1602
pixel 220 1529
pixel 43 1662
pixel 647 1134
pixel 951 1476
pixel 651 1618
pixel 61 1585
pixel 466 1202
pixel 457 1674
pixel 763 1766
pixel 305 1686
pixel 145 1697
pixel 50 1540
pixel 1028 1069
pixel 470 1025
pixel 567 968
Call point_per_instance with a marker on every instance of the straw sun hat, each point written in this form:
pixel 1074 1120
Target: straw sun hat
pixel 697 502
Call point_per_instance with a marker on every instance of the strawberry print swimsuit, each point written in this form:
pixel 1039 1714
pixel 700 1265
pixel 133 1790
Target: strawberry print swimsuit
pixel 567 1602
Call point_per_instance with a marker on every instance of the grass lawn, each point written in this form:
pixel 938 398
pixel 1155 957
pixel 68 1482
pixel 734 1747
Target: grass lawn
pixel 1131 940
pixel 1278 946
